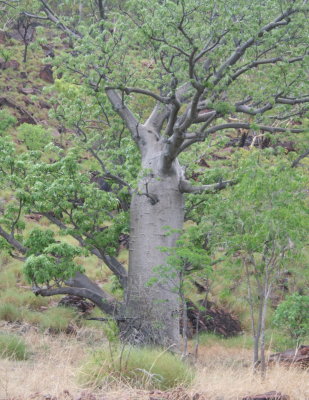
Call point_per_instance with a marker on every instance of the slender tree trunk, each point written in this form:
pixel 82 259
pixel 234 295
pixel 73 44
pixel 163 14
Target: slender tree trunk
pixel 25 53
pixel 153 309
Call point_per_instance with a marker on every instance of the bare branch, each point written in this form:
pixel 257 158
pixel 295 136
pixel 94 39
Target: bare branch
pixel 283 19
pixel 296 162
pixel 253 111
pixel 292 101
pixel 128 90
pixel 53 18
pixel 158 116
pixel 103 302
pixel 35 16
pixel 124 112
pixel 241 125
pixel 256 63
pixel 185 186
pixel 12 241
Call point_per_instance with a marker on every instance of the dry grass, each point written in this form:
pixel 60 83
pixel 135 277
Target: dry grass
pixel 227 374
pixel 54 364
pixel 50 369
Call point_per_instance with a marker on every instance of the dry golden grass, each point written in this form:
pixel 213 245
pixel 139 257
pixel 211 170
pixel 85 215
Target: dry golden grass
pixel 227 374
pixel 54 363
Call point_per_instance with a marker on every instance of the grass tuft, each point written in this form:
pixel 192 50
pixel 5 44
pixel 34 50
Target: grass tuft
pixel 57 319
pixel 10 313
pixel 12 347
pixel 146 368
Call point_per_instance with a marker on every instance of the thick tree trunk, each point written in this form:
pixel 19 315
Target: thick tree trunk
pixel 153 308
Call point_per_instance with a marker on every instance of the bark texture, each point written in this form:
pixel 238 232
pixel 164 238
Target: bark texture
pixel 158 207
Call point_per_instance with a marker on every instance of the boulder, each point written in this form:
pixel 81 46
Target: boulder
pixel 13 64
pixel 3 37
pixel 76 302
pixel 297 357
pixel 46 73
pixel 26 91
pixel 268 396
pixel 209 317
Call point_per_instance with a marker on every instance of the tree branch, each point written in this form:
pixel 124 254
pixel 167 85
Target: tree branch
pixel 53 18
pixel 240 50
pixel 12 241
pixel 124 112
pixel 241 125
pixel 112 263
pixel 296 162
pixel 128 90
pixel 102 301
pixel 186 187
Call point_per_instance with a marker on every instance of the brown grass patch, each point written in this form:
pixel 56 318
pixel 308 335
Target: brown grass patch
pixel 54 363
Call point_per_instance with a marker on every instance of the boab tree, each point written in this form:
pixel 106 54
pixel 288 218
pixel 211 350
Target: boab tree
pixel 197 68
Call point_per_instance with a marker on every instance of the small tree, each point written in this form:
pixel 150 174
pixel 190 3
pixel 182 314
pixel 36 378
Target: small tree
pixel 292 316
pixel 264 225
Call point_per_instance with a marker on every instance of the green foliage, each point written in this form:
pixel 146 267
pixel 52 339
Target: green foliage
pixel 36 137
pixel 266 210
pixel 13 347
pixel 54 265
pixel 143 368
pixel 38 240
pixel 6 120
pixel 292 316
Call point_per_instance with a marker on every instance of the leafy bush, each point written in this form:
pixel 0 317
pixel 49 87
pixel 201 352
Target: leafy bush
pixel 12 347
pixel 6 120
pixel 146 368
pixel 36 137
pixel 292 316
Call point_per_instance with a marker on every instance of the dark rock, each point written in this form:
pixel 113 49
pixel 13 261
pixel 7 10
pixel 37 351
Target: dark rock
pixel 27 101
pixel 34 217
pixel 44 104
pixel 26 119
pixel 13 64
pixel 76 302
pixel 48 50
pixel 26 91
pixel 3 37
pixel 23 75
pixel 211 318
pixel 100 181
pixel 297 357
pixel 46 73
pixel 273 395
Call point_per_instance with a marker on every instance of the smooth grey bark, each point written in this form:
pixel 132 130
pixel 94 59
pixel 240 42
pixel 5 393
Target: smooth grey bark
pixel 158 207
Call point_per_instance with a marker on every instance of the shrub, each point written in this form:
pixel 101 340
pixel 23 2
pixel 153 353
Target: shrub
pixel 146 368
pixel 36 137
pixel 292 316
pixel 13 347
pixel 6 120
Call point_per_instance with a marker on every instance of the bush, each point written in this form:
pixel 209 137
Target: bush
pixel 292 316
pixel 6 120
pixel 12 347
pixel 143 368
pixel 36 137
